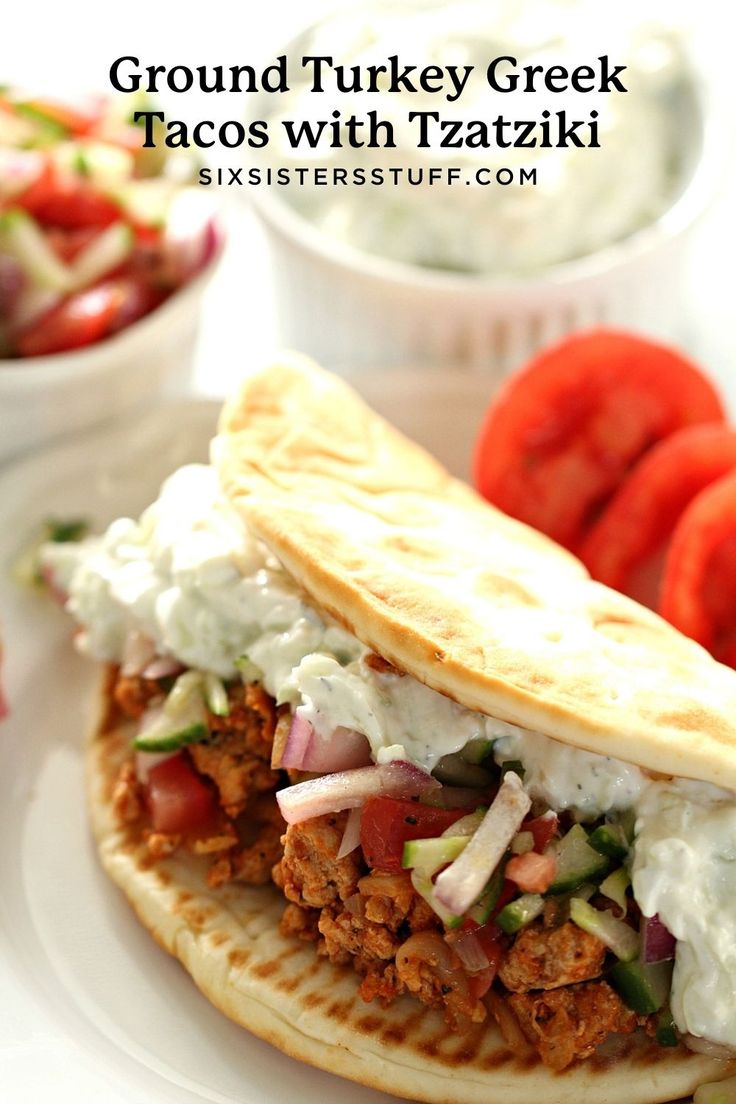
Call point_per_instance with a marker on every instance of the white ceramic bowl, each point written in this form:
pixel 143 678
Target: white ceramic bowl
pixel 42 398
pixel 353 311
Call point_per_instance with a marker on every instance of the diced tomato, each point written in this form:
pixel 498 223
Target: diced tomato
pixel 543 829
pixel 37 192
pixel 73 205
pixel 640 518
pixel 699 584
pixel 388 822
pixel 67 244
pixel 562 434
pixel 178 799
pixel 532 873
pixel 88 316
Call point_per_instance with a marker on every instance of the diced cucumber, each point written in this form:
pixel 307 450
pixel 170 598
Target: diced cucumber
pixel 21 237
pixel 163 735
pixel 428 855
pixel 615 934
pixel 667 1034
pixel 610 840
pixel 188 688
pixel 106 165
pixel 475 751
pixel 467 825
pixel 517 914
pixel 522 843
pixel 614 887
pixel 644 988
pixel 484 906
pixel 216 695
pixel 576 861
pixel 104 253
pixel 424 887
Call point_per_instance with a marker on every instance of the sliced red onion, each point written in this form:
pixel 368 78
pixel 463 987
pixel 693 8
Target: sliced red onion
pixel 345 749
pixel 349 789
pixel 461 884
pixel 306 749
pixel 658 944
pixel 163 667
pixel 138 651
pixel 297 743
pixel 351 835
pixel 469 950
pixel 18 170
pixel 4 707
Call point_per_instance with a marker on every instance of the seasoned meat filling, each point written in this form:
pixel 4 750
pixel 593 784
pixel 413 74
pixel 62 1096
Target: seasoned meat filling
pixel 245 840
pixel 569 1023
pixel 548 958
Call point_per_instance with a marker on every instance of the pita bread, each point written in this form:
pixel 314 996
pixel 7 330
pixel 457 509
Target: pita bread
pixel 282 992
pixel 475 605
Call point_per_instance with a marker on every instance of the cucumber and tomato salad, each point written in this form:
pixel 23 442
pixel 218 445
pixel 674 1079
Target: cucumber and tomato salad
pixel 618 448
pixel 90 240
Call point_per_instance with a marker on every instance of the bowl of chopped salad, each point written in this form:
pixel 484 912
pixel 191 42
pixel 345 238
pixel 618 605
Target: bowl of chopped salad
pixel 105 251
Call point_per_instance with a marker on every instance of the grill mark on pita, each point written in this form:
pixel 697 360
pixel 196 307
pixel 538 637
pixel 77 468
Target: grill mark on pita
pixel 369 1024
pixel 494 1059
pixel 266 969
pixel 238 957
pixel 288 984
pixel 218 938
pixel 339 1010
pixel 313 1000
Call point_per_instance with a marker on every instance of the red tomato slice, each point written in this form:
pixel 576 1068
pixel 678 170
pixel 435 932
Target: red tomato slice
pixel 89 316
pixel 642 514
pixel 699 584
pixel 178 799
pixel 36 193
pixel 388 822
pixel 561 435
pixel 532 873
pixel 543 829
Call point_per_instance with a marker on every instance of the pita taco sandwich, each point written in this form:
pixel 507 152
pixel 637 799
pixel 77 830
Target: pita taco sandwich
pixel 408 794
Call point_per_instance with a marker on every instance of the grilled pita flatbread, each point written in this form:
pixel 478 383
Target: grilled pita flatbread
pixel 475 605
pixel 281 991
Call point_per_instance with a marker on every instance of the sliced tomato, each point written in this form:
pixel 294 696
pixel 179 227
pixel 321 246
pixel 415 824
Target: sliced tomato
pixel 39 190
pixel 88 316
pixel 699 584
pixel 641 516
pixel 543 829
pixel 562 434
pixel 178 800
pixel 388 822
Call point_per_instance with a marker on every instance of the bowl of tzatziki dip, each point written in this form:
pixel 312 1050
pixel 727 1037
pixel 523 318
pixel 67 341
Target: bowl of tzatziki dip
pixel 453 185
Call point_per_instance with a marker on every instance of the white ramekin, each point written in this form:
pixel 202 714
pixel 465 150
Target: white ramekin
pixel 353 311
pixel 42 398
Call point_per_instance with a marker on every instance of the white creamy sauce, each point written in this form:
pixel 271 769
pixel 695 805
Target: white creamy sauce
pixel 685 870
pixel 190 576
pixel 567 778
pixel 585 198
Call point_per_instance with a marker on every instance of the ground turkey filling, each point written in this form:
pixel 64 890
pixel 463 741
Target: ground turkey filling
pixel 244 841
pixel 548 992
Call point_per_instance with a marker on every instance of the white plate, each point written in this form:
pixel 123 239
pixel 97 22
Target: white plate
pixel 91 1010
